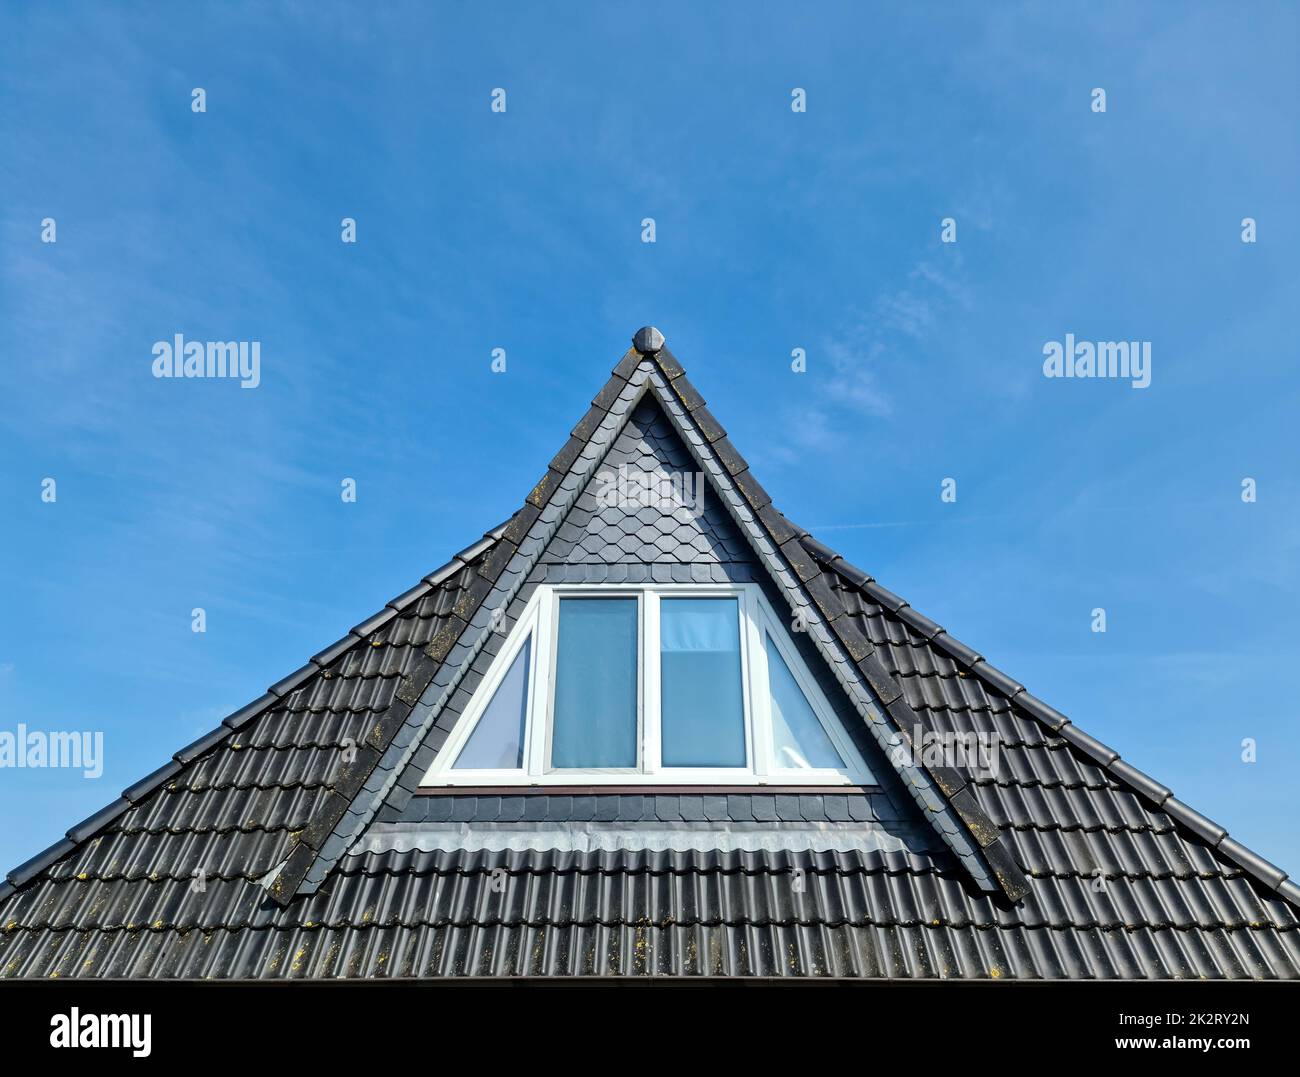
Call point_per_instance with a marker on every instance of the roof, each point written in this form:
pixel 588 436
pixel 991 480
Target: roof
pixel 315 857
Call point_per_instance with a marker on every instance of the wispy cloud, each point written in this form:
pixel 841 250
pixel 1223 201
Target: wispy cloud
pixel 873 351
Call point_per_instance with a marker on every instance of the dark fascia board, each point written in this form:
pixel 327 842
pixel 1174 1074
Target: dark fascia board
pixel 1127 775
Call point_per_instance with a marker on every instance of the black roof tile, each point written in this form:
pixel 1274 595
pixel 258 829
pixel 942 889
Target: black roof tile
pixel 668 364
pixel 373 623
pixel 624 367
pixel 519 524
pixel 883 685
pixel 781 529
pixel 1194 821
pixel 1008 686
pixel 91 825
pixel 242 717
pixel 804 566
pixel 957 649
pixel 336 650
pixel 203 744
pixel 569 452
pixel 729 456
pixel 405 599
pixel 1089 745
pixel 441 575
pixel 709 426
pixel 687 393
pixel 820 551
pixel 1180 898
pixel 828 601
pixel 588 423
pixel 1049 716
pixel 29 869
pixel 287 684
pixel 491 567
pixel 474 549
pixel 146 785
pixel 1147 786
pixel 924 626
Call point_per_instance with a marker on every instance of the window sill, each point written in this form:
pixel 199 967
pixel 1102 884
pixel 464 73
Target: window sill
pixel 637 790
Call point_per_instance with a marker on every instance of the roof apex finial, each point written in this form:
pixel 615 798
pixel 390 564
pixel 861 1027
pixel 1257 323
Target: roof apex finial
pixel 648 340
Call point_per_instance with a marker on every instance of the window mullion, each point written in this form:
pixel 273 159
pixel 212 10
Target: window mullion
pixel 760 712
pixel 539 705
pixel 649 653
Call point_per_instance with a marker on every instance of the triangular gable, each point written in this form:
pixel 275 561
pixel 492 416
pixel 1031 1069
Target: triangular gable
pixel 938 791
pixel 649 520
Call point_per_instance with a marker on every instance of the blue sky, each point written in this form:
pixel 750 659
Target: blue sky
pixel 775 230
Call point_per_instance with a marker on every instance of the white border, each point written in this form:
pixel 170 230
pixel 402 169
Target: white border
pixel 539 620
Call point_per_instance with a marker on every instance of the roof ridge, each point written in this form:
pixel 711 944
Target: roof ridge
pixel 133 794
pixel 1104 756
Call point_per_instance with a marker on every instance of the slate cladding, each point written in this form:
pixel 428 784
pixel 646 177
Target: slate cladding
pixel 649 807
pixel 696 535
pixel 174 879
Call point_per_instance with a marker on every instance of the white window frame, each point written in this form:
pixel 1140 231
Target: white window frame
pixel 539 621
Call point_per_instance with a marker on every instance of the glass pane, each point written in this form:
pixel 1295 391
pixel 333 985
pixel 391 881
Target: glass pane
pixel 594 723
pixel 702 707
pixel 497 742
pixel 798 740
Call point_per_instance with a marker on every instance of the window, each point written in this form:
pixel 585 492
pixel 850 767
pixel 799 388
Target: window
pixel 497 740
pixel 672 684
pixel 701 704
pixel 594 714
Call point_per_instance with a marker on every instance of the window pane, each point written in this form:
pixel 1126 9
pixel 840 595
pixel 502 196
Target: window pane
pixel 595 684
pixel 798 740
pixel 703 710
pixel 497 742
